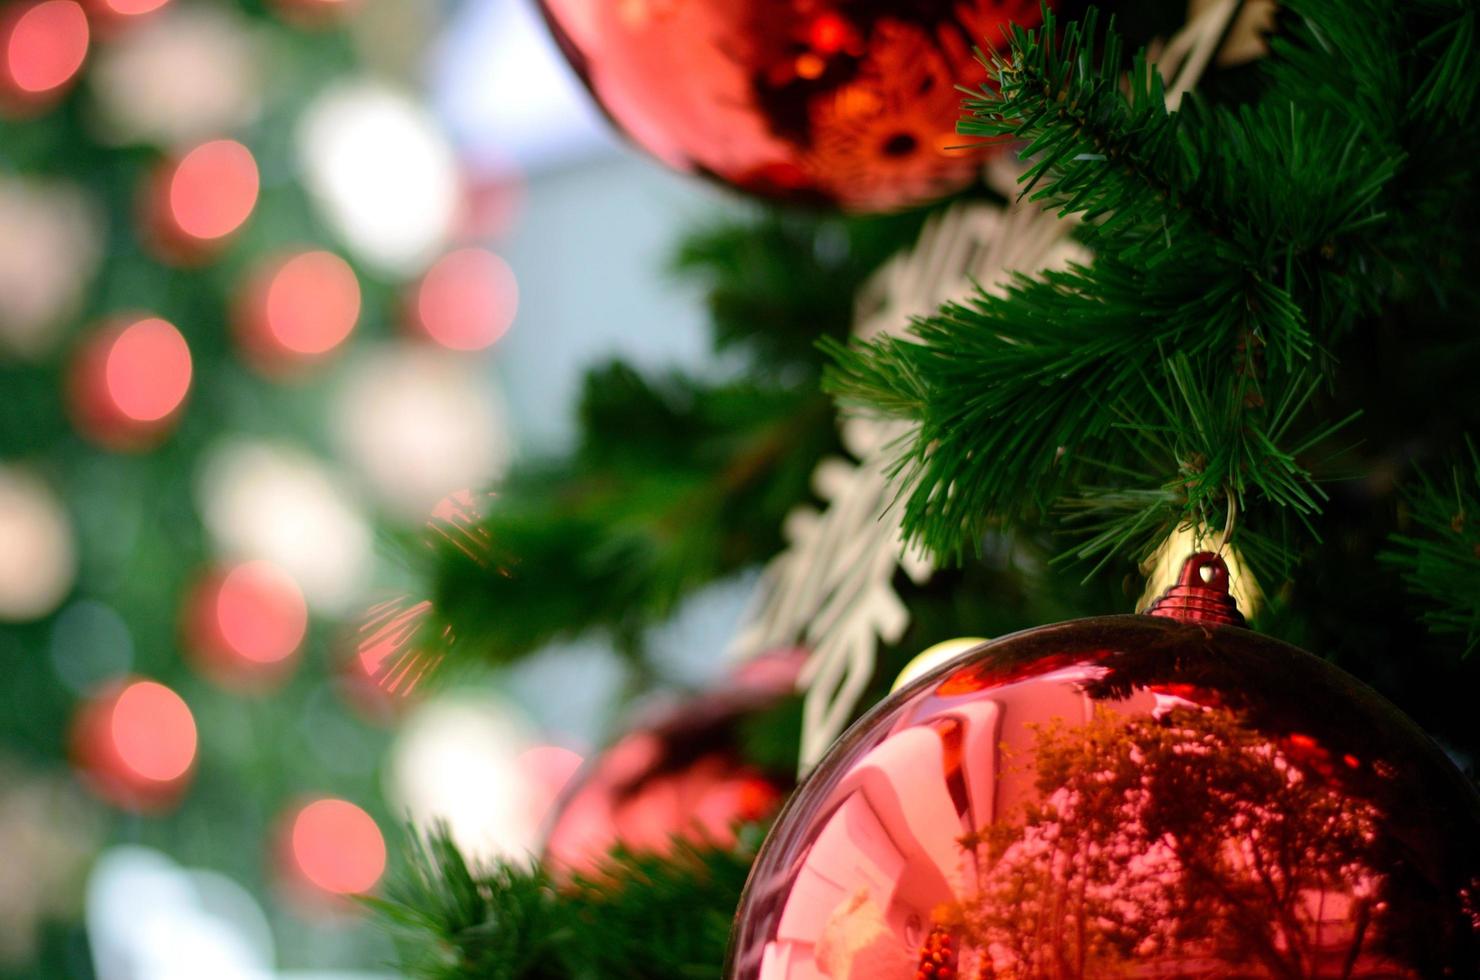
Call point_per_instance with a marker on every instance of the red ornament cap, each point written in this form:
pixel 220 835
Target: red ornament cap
pixel 1200 594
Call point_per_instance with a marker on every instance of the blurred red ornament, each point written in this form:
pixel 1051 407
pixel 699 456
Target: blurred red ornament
pixel 134 744
pixel 297 310
pixel 197 201
pixel 315 14
pixel 852 104
pixel 1161 795
pixel 680 775
pixel 244 625
pixel 42 48
pixel 467 300
pixel 127 383
pixel 330 848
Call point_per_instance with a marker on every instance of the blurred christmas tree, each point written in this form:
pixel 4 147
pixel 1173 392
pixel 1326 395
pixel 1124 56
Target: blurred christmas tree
pixel 232 293
pixel 1242 307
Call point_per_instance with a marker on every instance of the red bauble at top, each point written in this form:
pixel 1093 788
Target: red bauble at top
pixel 851 104
pixel 676 775
pixel 1130 796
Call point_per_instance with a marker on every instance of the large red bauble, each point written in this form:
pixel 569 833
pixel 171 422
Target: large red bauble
pixel 679 774
pixel 1126 796
pixel 851 103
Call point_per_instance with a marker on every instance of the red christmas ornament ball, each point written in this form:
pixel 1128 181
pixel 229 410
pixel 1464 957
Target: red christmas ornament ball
pixel 851 103
pixel 1166 795
pixel 677 774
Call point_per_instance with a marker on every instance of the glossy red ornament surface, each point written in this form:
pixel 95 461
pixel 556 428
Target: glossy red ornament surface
pixel 679 775
pixel 851 103
pixel 1126 796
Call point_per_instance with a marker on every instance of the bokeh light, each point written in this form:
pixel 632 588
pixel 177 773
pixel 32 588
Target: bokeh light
pixel 383 174
pixel 43 285
pixel 932 657
pixel 418 423
pixel 38 557
pixel 244 625
pixel 315 13
pixel 472 763
pixel 135 742
pixel 127 8
pixel 335 847
pixel 278 503
pixel 44 47
pixel 212 189
pixel 466 300
pixel 298 309
pixel 129 381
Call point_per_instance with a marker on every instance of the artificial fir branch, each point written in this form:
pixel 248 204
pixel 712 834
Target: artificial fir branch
pixel 675 483
pixel 1236 246
pixel 1440 557
pixel 643 916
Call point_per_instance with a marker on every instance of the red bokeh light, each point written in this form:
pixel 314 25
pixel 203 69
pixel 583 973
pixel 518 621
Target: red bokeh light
pixel 44 46
pixel 135 744
pixel 466 300
pixel 128 382
pixel 128 8
pixel 297 310
pixel 244 625
pixel 198 201
pixel 334 848
pixel 213 189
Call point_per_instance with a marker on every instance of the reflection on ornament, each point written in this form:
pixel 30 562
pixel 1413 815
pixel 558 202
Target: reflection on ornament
pixel 466 300
pixel 128 382
pixel 198 201
pixel 677 775
pixel 382 173
pixel 471 764
pixel 418 424
pixel 134 743
pixel 849 104
pixel 38 560
pixel 331 847
pixel 932 657
pixel 135 80
pixel 297 309
pixel 1152 795
pixel 42 47
pixel 277 503
pixel 42 284
pixel 244 625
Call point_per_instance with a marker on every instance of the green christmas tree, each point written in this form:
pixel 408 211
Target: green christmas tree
pixel 1266 343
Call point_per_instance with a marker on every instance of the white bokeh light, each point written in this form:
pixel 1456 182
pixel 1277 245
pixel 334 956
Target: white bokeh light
pixel 38 557
pixel 54 236
pixel 382 172
pixel 417 424
pixel 462 760
pixel 275 502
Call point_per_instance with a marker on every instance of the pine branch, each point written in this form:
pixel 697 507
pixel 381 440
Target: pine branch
pixel 676 483
pixel 1440 559
pixel 643 916
pixel 1237 249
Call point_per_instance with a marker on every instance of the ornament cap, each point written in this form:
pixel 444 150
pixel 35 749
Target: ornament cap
pixel 1200 594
